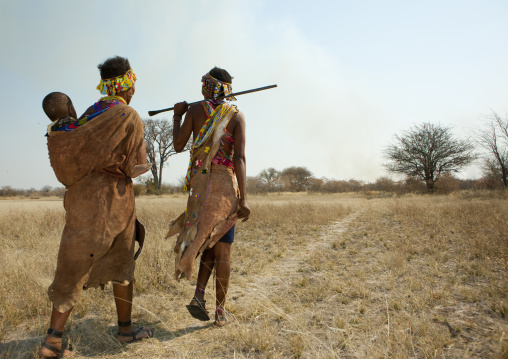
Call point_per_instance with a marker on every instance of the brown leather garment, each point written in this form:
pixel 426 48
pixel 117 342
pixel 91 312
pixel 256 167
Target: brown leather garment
pixel 212 204
pixel 94 162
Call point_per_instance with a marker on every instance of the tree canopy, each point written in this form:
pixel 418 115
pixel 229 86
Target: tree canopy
pixel 428 151
pixel 296 178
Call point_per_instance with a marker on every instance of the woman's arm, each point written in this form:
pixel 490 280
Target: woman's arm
pixel 181 134
pixel 142 154
pixel 142 165
pixel 239 164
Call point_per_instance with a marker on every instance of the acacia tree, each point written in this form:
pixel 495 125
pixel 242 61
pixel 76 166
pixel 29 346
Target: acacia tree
pixel 494 140
pixel 159 146
pixel 428 151
pixel 269 178
pixel 295 179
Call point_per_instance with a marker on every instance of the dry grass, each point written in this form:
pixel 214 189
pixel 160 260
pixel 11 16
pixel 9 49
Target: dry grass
pixel 313 276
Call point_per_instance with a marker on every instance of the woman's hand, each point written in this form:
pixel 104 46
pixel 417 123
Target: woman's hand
pixel 181 108
pixel 243 210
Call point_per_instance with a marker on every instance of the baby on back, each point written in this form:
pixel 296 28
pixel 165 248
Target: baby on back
pixel 60 110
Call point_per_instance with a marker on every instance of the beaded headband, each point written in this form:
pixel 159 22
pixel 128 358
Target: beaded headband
pixel 215 88
pixel 117 84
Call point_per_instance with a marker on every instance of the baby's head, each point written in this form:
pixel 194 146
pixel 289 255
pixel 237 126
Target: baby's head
pixel 56 105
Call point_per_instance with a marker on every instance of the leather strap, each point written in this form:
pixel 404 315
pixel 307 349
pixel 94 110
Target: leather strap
pixel 60 352
pixel 55 333
pixel 124 324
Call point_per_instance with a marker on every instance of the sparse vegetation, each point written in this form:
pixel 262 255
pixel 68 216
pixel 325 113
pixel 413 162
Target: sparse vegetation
pixel 321 276
pixel 297 179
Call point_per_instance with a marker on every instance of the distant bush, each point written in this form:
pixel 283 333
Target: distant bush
pixel 146 186
pixel 447 184
pixel 8 191
pixel 46 191
pixel 139 188
pixel 297 179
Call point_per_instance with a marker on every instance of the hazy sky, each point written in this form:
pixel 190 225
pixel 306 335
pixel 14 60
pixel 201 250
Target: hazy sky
pixel 350 75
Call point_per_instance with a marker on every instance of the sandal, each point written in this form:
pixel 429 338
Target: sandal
pixel 222 317
pixel 198 311
pixel 133 335
pixel 65 350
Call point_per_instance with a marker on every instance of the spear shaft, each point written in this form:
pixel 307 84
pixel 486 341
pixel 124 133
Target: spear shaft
pixel 151 113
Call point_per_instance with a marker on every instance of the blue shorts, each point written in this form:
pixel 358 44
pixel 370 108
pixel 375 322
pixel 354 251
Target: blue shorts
pixel 229 237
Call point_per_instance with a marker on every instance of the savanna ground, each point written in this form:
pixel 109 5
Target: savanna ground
pixel 313 276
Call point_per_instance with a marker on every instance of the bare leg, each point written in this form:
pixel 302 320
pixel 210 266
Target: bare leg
pixel 123 301
pixel 58 321
pixel 205 270
pixel 222 271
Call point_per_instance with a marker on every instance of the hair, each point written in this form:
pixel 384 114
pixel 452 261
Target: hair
pixel 56 105
pixel 113 67
pixel 221 74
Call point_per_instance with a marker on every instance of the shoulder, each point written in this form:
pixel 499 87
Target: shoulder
pixel 196 111
pixel 239 117
pixel 196 108
pixel 126 114
pixel 127 110
pixel 237 123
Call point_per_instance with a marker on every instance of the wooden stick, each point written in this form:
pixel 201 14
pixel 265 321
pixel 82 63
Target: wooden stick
pixel 151 113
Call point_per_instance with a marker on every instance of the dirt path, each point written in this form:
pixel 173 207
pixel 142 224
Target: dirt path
pixel 295 259
pixel 276 291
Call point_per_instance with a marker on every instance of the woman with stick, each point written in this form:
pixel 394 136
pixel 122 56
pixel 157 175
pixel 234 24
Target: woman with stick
pixel 216 199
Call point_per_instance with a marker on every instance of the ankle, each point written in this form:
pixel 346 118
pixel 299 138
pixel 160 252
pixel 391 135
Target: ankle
pixel 54 336
pixel 220 311
pixel 125 329
pixel 53 340
pixel 199 294
pixel 124 326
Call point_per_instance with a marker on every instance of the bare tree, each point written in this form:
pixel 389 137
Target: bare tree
pixel 426 152
pixel 494 140
pixel 159 146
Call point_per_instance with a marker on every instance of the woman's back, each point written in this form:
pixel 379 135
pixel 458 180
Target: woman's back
pixel 199 118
